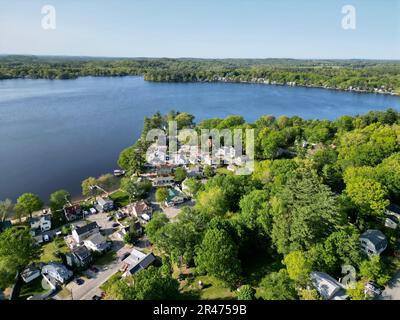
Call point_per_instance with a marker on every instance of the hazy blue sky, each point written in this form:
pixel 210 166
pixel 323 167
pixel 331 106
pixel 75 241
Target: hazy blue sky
pixel 203 28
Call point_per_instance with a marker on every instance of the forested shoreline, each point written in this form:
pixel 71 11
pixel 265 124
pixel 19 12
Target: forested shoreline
pixel 350 75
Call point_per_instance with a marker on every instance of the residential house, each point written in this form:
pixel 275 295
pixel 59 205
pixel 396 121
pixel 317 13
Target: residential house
pixel 96 243
pixel 40 224
pixel 104 204
pixel 125 229
pixel 136 261
pixel 57 271
pixel 174 197
pixel 392 219
pixel 141 207
pixel 328 287
pixel 163 181
pixel 80 257
pixel 164 170
pixel 73 212
pixel 195 171
pixel 81 233
pixel 373 242
pixel 30 273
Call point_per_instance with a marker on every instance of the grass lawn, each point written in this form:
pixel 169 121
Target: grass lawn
pixel 224 170
pixel 213 289
pixel 113 279
pixel 106 258
pixel 49 249
pixel 120 198
pixel 64 293
pixel 31 289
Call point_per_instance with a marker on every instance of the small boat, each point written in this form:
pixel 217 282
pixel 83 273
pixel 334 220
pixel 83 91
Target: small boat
pixel 119 173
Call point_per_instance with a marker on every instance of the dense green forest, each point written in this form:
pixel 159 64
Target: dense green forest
pixel 357 75
pixel 301 210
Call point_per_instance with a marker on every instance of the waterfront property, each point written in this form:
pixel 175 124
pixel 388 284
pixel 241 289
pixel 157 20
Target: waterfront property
pixel 126 101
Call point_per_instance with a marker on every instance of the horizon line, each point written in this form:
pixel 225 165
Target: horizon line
pixel 195 58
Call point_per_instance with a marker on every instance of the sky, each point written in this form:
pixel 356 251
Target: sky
pixel 203 28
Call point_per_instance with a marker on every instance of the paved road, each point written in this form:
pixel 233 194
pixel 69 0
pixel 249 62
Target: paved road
pixel 91 286
pixel 392 291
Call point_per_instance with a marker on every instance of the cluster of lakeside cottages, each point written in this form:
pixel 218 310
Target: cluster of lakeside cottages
pixel 88 241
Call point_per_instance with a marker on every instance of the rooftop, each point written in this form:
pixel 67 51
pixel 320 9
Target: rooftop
pixel 141 206
pixel 86 228
pixel 96 239
pixel 376 237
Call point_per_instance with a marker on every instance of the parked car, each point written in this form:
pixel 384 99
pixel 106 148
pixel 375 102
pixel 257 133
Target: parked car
pixel 125 255
pixel 94 269
pixel 46 238
pixel 110 218
pixel 96 297
pixel 375 289
pixel 114 225
pixel 79 281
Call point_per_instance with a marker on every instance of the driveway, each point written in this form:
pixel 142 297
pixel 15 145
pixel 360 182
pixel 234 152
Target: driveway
pixel 91 286
pixel 392 291
pixel 172 212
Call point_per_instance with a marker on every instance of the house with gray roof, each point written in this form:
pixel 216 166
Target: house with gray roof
pixel 57 272
pixel 97 243
pixel 392 216
pixel 81 233
pixel 328 287
pixel 373 242
pixel 136 261
pixel 104 204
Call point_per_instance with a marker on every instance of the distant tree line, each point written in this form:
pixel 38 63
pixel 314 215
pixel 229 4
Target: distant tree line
pixel 360 75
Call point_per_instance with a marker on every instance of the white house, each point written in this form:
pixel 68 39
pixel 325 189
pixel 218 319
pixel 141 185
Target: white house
pixel 57 271
pixel 105 204
pixel 328 287
pixel 41 223
pixel 30 273
pixel 96 242
pixel 136 261
pixel 81 233
pixel 140 208
pixel 163 181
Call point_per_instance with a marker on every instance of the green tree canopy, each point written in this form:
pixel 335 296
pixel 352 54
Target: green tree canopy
pixel 278 286
pixel 217 255
pixel 59 199
pixel 17 249
pixel 29 203
pixel 246 292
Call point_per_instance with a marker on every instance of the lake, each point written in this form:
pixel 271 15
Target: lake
pixel 55 133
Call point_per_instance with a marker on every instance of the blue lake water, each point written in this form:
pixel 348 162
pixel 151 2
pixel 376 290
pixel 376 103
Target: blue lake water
pixel 55 133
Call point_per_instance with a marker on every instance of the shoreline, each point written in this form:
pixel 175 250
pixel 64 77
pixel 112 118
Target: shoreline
pixel 260 81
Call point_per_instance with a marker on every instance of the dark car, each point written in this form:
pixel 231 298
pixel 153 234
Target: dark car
pixel 96 297
pixel 114 225
pixel 110 218
pixel 94 269
pixel 79 281
pixel 125 255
